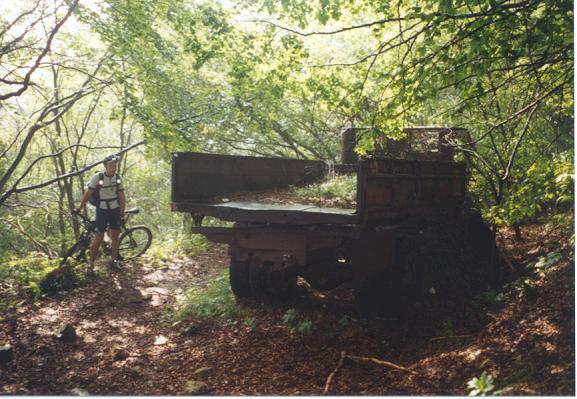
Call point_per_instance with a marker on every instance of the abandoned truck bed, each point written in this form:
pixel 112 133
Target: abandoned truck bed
pixel 409 232
pixel 386 189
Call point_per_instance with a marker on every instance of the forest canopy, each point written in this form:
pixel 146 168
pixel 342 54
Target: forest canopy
pixel 83 78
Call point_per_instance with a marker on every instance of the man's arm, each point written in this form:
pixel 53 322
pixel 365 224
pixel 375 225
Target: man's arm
pixel 84 199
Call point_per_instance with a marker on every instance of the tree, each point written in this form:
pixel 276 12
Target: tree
pixel 503 69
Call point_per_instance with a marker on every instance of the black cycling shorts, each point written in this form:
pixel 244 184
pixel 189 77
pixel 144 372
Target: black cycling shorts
pixel 107 218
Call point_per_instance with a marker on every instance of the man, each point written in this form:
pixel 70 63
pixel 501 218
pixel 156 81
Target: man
pixel 109 210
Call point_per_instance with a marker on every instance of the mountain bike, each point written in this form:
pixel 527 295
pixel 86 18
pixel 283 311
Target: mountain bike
pixel 133 241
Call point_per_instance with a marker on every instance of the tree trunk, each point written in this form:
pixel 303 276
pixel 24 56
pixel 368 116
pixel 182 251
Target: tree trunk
pixel 518 235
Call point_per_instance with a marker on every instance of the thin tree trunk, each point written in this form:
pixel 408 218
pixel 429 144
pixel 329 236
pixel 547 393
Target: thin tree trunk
pixel 518 235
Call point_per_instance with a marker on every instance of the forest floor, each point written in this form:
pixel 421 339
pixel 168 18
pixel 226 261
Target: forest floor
pixel 523 336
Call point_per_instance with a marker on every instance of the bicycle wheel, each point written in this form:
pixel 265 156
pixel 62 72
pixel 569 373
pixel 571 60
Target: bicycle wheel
pixel 134 242
pixel 77 251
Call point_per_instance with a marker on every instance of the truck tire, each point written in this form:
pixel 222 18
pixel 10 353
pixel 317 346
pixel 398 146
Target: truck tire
pixel 481 244
pixel 239 279
pixel 269 286
pixel 377 294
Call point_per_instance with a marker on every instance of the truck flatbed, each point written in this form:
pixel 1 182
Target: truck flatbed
pixel 290 214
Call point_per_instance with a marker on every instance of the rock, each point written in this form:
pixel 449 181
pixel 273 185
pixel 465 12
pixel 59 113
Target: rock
pixel 203 371
pixel 6 355
pixel 79 392
pixel 135 296
pixel 160 340
pixel 118 353
pixel 190 330
pixel 66 333
pixel 194 387
pixel 61 278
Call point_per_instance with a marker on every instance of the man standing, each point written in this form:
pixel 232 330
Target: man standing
pixel 109 209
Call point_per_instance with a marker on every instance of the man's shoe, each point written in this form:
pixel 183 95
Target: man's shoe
pixel 116 264
pixel 90 270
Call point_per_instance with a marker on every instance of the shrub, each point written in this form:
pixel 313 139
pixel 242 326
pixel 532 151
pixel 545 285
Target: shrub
pixel 481 386
pixel 545 262
pixel 297 323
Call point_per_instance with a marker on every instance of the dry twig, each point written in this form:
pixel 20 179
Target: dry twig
pixel 362 359
pixel 332 375
pixel 381 362
pixel 451 337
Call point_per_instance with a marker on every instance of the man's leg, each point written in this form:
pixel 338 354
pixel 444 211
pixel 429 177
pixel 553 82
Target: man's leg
pixel 95 246
pixel 100 224
pixel 114 234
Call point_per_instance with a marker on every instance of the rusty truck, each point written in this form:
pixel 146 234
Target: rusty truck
pixel 411 234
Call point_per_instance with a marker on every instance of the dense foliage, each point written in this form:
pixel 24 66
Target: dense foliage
pixel 274 78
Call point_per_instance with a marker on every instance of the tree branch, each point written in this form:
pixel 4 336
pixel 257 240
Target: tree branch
pixel 15 190
pixel 27 77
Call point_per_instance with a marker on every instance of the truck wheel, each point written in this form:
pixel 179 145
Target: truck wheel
pixel 482 251
pixel 377 294
pixel 364 301
pixel 239 279
pixel 270 286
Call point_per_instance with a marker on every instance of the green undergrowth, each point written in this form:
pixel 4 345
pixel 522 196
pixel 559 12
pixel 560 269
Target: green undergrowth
pixel 337 187
pixel 31 277
pixel 215 301
pixel 170 242
pixel 178 245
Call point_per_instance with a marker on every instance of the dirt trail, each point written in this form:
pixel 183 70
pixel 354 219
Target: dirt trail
pixel 526 341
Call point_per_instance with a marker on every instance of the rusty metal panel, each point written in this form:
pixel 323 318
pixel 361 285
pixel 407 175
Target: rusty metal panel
pixel 374 251
pixel 223 235
pixel 399 187
pixel 197 176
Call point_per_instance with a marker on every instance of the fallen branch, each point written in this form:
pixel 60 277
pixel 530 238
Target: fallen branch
pixel 451 337
pixel 381 362
pixel 362 359
pixel 335 371
pixel 162 293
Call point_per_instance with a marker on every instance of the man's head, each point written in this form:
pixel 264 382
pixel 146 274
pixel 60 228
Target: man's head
pixel 110 163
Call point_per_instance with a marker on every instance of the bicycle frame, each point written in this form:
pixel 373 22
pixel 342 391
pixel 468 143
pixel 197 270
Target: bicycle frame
pixel 86 237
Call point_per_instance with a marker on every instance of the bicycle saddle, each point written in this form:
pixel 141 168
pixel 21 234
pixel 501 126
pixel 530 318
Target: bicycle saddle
pixel 132 211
